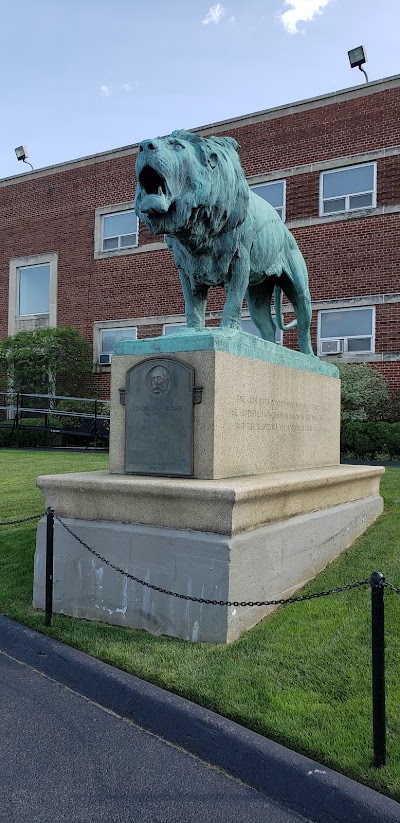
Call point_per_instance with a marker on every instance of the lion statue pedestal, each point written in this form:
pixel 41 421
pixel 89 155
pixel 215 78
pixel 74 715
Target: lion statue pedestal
pixel 266 508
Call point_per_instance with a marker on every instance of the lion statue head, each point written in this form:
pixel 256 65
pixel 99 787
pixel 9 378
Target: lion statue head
pixel 189 184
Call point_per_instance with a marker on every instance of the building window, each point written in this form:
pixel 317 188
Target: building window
pixel 33 284
pixel 119 231
pixel 346 331
pixel 274 193
pixel 348 189
pixel 32 292
pixel 169 328
pixel 108 339
pixel 251 328
pixel 116 230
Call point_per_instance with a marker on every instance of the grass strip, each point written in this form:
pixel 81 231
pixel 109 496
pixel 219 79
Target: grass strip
pixel 301 677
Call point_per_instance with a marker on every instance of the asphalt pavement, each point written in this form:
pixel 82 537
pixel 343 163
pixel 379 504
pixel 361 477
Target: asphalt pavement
pixel 66 759
pixel 83 742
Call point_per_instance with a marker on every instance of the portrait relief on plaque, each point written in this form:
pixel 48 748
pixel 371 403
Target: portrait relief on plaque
pixel 158 380
pixel 159 418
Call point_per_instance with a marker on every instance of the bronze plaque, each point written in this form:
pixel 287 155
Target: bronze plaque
pixel 159 418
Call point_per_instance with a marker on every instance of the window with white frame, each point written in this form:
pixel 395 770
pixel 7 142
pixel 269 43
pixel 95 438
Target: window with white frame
pixel 32 292
pixel 346 331
pixel 119 230
pixel 108 339
pixel 251 328
pixel 33 289
pixel 170 328
pixel 274 193
pixel 348 189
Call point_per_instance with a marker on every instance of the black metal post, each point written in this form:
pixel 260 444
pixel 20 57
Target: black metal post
pixel 49 565
pixel 95 425
pixel 378 668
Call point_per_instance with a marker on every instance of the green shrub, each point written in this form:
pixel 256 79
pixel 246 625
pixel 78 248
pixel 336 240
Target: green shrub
pixel 371 440
pixel 395 408
pixel 364 394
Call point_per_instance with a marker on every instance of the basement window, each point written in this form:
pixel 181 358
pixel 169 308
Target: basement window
pixel 251 328
pixel 247 326
pixel 108 339
pixel 346 331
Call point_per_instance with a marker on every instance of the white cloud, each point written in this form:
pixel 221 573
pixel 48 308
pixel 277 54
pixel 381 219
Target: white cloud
pixel 105 90
pixel 232 20
pixel 215 13
pixel 127 87
pixel 301 10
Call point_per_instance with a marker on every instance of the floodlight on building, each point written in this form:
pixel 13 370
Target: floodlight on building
pixel 357 58
pixel 22 153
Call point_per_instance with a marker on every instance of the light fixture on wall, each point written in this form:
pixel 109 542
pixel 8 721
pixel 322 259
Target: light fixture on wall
pixel 22 153
pixel 358 57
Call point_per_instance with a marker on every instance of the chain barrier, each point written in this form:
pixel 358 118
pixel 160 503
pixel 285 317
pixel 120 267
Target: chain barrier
pixel 376 581
pixel 22 519
pixel 204 600
pixel 389 586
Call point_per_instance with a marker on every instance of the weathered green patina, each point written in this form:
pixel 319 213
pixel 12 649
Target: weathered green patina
pixel 193 190
pixel 240 344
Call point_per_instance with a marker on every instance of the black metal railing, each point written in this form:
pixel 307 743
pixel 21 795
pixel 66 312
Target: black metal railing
pixel 68 417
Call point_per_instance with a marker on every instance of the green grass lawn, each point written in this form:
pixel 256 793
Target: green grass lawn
pixel 301 677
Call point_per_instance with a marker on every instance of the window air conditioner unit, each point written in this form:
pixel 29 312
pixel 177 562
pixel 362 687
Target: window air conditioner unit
pixel 331 346
pixel 105 359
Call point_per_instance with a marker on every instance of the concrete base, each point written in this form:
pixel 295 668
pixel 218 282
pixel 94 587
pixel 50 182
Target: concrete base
pixel 228 506
pixel 265 563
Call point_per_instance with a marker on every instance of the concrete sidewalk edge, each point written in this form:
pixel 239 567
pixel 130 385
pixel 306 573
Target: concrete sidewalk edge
pixel 302 784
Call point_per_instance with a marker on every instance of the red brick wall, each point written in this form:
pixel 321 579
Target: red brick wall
pixel 352 257
pixel 316 134
pixel 388 181
pixel 390 372
pixel 302 196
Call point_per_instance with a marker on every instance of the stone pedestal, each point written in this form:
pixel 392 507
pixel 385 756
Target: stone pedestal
pixel 263 408
pixel 267 508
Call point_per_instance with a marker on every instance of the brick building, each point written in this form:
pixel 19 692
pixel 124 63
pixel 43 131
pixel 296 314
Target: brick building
pixel 72 253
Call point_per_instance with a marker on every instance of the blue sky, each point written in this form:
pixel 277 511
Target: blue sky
pixel 84 76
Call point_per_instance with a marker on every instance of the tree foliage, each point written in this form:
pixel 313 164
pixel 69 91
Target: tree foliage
pixel 45 361
pixel 365 394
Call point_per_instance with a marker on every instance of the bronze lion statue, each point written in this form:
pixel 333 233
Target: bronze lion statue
pixel 193 190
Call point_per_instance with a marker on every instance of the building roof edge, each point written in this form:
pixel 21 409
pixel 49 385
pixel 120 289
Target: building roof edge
pixel 285 110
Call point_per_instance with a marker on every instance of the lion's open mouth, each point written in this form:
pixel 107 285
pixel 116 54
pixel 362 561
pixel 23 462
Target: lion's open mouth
pixel 151 181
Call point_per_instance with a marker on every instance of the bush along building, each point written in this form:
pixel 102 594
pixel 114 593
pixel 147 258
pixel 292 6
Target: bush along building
pixel 73 254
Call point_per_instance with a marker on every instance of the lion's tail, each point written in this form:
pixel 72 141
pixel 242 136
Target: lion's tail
pixel 278 311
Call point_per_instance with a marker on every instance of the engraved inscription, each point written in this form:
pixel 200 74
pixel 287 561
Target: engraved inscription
pixel 159 418
pixel 267 414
